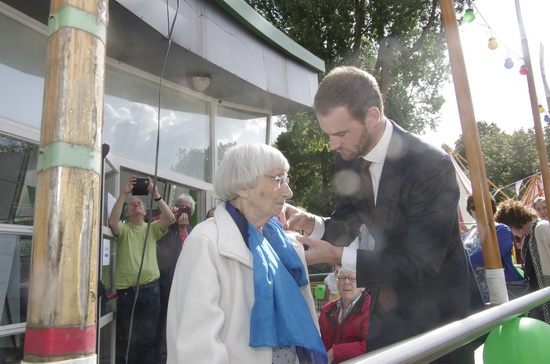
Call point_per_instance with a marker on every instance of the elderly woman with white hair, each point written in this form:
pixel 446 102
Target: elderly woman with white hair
pixel 240 292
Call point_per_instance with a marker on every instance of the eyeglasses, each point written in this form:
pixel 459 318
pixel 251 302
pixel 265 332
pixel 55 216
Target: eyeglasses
pixel 344 278
pixel 280 180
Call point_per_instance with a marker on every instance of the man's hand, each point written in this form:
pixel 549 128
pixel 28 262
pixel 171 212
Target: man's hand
pixel 127 188
pixel 298 219
pixel 152 189
pixel 321 251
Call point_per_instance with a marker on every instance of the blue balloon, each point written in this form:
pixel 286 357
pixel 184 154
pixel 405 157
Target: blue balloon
pixel 508 63
pixel 521 340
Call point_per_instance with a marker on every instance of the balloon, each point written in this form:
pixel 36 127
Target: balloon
pixel 493 43
pixel 521 340
pixel 320 291
pixel 508 63
pixel 523 70
pixel 469 16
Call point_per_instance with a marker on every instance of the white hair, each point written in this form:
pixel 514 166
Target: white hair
pixel 186 198
pixel 343 270
pixel 243 164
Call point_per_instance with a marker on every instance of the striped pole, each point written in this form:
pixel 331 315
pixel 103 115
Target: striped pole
pixel 61 317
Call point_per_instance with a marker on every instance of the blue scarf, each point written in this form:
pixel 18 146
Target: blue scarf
pixel 280 316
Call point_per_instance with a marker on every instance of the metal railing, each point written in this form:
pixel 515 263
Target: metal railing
pixel 433 344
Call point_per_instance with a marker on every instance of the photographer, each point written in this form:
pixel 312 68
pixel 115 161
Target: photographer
pixel 168 251
pixel 133 265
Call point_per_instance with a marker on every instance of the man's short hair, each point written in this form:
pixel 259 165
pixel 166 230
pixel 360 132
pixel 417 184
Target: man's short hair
pixel 471 207
pixel 351 87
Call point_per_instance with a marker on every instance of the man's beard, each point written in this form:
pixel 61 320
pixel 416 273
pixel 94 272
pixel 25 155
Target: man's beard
pixel 362 147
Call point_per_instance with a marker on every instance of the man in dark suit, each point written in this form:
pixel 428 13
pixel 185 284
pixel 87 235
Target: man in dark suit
pixel 405 192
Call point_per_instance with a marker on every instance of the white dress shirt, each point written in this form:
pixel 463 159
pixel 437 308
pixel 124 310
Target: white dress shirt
pixel 377 156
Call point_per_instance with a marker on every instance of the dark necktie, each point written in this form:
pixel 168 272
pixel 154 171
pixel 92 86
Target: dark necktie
pixel 366 183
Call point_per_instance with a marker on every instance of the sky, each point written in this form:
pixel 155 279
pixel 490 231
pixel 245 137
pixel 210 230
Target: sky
pixel 499 95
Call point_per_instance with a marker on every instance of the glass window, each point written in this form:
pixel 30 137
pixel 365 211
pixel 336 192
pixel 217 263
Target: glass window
pixel 17 181
pixel 21 72
pixel 234 126
pixel 131 114
pixel 15 256
pixel 11 349
pixel 107 276
pixel 109 189
pixel 105 347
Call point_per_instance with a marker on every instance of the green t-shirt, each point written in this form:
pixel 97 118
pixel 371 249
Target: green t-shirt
pixel 129 251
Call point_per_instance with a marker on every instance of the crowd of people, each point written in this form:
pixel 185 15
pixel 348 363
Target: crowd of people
pixel 235 288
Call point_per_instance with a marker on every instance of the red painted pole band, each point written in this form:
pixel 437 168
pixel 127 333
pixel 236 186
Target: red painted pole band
pixel 56 341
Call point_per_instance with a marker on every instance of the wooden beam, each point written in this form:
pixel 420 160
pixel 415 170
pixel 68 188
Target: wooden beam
pixel 61 317
pixel 482 197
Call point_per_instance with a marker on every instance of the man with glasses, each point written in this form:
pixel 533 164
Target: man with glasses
pixel 344 322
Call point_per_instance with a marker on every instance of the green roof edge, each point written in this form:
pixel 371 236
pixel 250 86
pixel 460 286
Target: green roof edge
pixel 255 22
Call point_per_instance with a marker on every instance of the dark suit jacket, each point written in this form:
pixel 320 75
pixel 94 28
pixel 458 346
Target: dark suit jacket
pixel 418 252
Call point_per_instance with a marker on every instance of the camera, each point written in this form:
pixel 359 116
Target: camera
pixel 187 210
pixel 140 188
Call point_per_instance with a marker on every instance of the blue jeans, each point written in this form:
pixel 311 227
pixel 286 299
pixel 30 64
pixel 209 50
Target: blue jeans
pixel 143 327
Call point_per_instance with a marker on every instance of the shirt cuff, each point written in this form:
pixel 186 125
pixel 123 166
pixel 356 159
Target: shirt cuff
pixel 318 229
pixel 349 259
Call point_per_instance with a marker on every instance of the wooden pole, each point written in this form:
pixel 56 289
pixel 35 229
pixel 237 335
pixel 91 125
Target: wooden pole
pixel 543 72
pixel 482 197
pixel 539 135
pixel 62 301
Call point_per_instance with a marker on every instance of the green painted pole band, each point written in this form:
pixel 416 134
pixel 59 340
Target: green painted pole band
pixel 69 16
pixel 61 154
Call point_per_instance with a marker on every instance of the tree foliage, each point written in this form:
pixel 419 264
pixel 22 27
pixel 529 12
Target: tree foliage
pixel 508 158
pixel 311 163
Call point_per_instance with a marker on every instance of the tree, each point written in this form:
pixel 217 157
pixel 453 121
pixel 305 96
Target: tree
pixel 507 157
pixel 311 163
